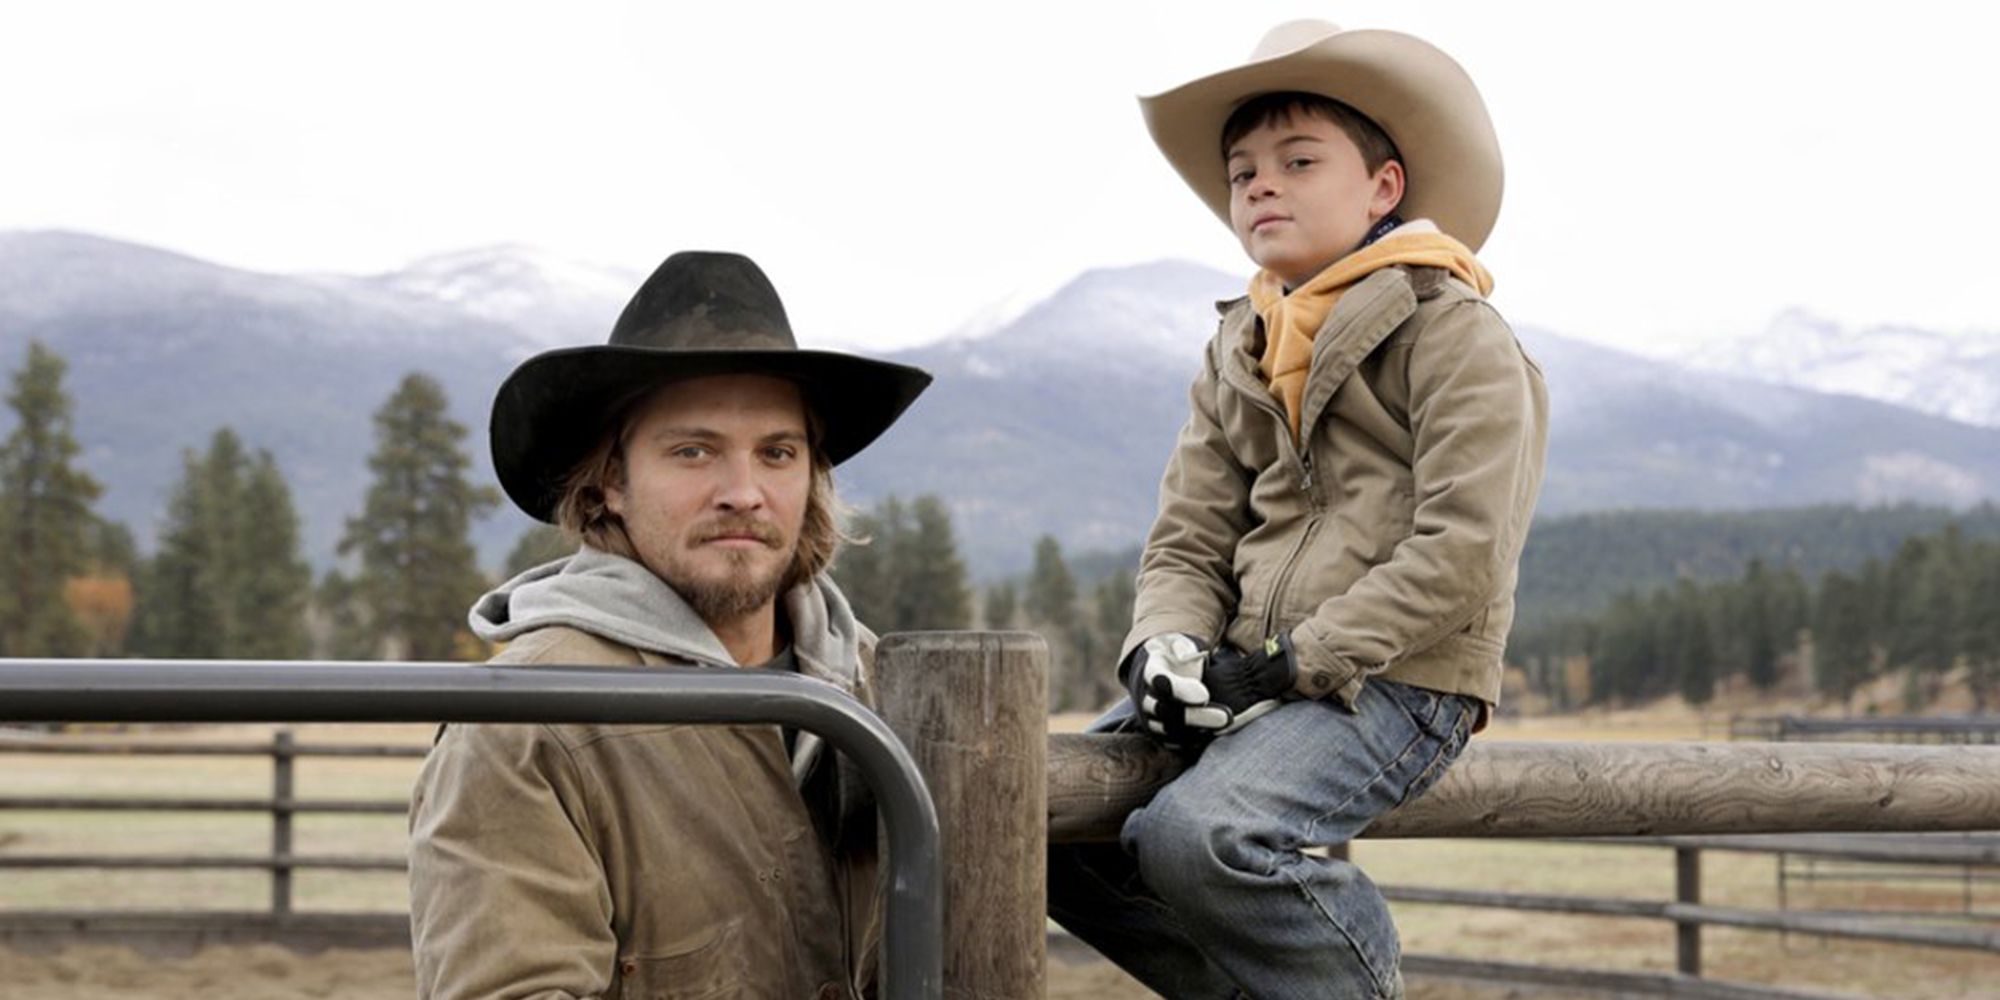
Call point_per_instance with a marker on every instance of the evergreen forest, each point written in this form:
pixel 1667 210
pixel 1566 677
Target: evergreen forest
pixel 1617 606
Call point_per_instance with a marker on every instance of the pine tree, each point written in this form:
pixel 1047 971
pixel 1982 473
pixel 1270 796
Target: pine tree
pixel 1791 610
pixel 1111 618
pixel 866 571
pixel 341 627
pixel 1050 604
pixel 1921 605
pixel 45 503
pixel 930 578
pixel 1691 646
pixel 1050 597
pixel 1841 649
pixel 1003 602
pixel 271 581
pixel 1625 656
pixel 418 571
pixel 181 611
pixel 906 573
pixel 1757 626
pixel 229 580
pixel 219 510
pixel 1982 633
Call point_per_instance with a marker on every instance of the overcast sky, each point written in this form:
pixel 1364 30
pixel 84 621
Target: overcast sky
pixel 1674 171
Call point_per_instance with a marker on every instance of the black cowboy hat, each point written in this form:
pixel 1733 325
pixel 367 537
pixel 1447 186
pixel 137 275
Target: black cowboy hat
pixel 699 314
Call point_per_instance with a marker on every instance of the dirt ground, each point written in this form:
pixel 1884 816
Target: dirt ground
pixel 267 972
pixel 246 972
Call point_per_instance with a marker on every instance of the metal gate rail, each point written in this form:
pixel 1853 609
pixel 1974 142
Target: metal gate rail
pixel 309 691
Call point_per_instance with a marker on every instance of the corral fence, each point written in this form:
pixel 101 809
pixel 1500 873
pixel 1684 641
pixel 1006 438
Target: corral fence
pixel 967 708
pixel 1971 860
pixel 1940 730
pixel 281 920
pixel 209 691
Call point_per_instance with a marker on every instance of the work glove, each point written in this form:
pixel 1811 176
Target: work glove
pixel 1163 675
pixel 1243 686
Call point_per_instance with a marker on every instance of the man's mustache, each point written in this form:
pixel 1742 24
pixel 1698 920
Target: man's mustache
pixel 739 528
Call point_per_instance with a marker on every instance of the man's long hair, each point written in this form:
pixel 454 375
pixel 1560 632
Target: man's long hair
pixel 584 517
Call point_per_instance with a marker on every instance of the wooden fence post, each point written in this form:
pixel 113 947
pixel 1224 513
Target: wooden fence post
pixel 283 750
pixel 972 707
pixel 1687 892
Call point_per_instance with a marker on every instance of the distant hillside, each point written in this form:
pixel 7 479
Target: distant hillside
pixel 1628 432
pixel 163 349
pixel 1056 421
pixel 1575 565
pixel 1955 375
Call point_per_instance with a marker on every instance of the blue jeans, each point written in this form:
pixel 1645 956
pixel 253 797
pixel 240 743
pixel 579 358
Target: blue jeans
pixel 1210 893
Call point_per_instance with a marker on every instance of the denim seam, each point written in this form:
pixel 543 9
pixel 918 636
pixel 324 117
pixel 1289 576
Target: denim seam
pixel 1360 953
pixel 1447 753
pixel 1374 779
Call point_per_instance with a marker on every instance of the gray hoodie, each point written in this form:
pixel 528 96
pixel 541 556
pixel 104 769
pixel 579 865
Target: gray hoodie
pixel 621 600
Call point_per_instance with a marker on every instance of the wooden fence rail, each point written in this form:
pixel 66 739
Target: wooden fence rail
pixel 956 699
pixel 282 806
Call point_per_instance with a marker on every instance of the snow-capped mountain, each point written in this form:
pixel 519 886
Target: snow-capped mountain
pixel 1956 376
pixel 555 301
pixel 1056 422
pixel 1107 322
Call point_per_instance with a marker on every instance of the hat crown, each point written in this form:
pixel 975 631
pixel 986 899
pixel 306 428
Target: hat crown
pixel 1292 36
pixel 701 300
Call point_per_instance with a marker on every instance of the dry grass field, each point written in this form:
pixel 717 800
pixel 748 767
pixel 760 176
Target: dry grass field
pixel 245 972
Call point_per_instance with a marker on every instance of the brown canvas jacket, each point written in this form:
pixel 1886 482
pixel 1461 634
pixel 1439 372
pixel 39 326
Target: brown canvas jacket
pixel 1389 543
pixel 666 862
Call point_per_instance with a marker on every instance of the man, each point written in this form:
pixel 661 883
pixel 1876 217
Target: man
pixel 691 457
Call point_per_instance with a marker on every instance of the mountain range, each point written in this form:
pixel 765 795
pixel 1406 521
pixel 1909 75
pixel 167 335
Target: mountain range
pixel 1948 375
pixel 1056 421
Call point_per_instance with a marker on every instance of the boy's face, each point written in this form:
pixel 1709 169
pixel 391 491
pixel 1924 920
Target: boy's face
pixel 1300 196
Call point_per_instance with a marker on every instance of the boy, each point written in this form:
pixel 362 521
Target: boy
pixel 1326 592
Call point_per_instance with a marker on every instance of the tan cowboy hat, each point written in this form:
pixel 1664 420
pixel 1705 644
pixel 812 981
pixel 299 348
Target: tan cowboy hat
pixel 1416 93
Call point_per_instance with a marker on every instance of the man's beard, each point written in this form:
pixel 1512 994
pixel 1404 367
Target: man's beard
pixel 729 599
pixel 742 588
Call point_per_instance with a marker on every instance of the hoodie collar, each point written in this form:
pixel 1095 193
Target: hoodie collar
pixel 621 600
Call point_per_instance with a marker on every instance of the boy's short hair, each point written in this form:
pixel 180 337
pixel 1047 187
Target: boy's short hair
pixel 1265 109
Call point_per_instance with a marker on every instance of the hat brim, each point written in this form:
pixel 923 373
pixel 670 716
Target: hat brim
pixel 1419 95
pixel 552 409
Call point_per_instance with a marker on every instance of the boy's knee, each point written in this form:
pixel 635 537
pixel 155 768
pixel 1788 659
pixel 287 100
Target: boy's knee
pixel 1184 854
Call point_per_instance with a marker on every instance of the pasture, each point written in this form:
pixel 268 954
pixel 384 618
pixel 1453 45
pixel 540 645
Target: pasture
pixel 1646 873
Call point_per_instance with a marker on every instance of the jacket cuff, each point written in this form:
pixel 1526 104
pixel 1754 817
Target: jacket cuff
pixel 1324 673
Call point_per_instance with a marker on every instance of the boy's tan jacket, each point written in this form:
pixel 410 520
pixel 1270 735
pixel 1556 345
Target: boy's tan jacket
pixel 625 862
pixel 1389 541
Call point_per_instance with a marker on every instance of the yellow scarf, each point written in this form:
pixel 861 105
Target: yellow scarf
pixel 1292 319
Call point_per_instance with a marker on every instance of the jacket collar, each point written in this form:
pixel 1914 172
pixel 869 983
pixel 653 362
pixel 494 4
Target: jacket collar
pixel 1365 316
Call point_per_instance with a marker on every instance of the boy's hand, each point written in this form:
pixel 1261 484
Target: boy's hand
pixel 1163 676
pixel 1245 685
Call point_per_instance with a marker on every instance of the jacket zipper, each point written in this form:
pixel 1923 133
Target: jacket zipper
pixel 1285 572
pixel 1301 459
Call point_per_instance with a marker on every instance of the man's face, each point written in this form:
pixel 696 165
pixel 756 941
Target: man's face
pixel 1300 196
pixel 717 474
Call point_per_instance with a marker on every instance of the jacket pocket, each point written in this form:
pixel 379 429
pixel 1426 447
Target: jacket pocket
pixel 704 966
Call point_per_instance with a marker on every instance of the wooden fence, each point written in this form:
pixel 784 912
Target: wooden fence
pixel 967 706
pixel 1932 729
pixel 281 920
